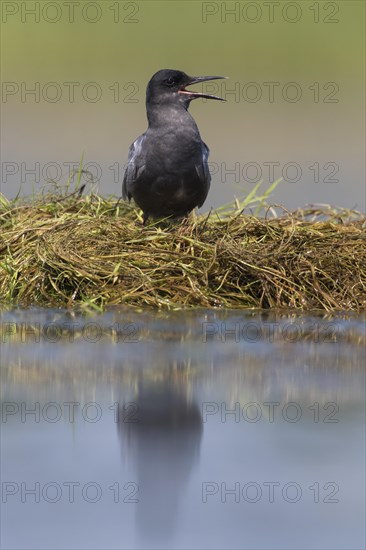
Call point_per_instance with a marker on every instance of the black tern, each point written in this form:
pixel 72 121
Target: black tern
pixel 167 172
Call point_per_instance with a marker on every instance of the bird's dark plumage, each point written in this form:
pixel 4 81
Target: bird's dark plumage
pixel 167 171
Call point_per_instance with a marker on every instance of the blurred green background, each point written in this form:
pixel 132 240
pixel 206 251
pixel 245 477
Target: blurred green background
pixel 106 51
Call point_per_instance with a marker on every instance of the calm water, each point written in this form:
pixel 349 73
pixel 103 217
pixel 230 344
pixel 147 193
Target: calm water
pixel 182 430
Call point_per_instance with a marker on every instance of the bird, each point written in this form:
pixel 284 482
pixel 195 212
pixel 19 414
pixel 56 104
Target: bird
pixel 167 173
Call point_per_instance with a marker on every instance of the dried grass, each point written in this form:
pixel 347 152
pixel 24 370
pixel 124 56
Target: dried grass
pixel 70 250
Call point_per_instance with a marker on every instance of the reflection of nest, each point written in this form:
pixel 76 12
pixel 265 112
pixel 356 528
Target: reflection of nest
pixel 229 372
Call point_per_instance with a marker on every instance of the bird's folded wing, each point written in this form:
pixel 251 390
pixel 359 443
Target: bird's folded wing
pixel 203 170
pixel 135 167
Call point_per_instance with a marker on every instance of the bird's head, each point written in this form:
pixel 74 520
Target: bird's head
pixel 168 86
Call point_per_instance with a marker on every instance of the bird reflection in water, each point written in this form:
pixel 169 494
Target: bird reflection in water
pixel 161 437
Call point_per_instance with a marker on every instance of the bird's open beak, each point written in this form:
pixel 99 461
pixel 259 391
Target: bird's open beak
pixel 195 80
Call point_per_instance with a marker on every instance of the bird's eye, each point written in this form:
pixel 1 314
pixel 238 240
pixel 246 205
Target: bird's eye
pixel 170 81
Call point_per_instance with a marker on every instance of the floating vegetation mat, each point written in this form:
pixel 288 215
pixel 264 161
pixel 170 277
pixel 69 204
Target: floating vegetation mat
pixel 71 250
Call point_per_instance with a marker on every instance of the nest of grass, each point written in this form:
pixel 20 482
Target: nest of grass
pixel 72 250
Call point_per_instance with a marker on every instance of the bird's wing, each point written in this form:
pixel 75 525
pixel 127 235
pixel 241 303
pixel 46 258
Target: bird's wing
pixel 135 167
pixel 203 170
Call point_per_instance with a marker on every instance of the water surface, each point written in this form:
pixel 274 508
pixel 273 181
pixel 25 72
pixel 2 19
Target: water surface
pixel 182 430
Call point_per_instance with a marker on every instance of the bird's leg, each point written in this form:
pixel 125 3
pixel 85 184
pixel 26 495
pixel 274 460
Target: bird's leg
pixel 145 217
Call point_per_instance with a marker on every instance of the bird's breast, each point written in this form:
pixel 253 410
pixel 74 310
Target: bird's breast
pixel 172 149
